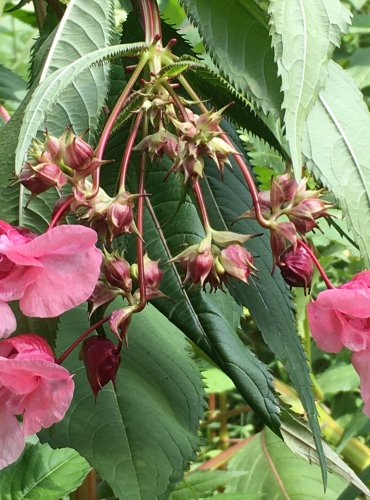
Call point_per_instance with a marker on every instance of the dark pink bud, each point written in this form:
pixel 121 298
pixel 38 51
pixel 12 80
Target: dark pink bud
pixel 50 174
pixel 102 295
pixel 120 320
pixel 29 180
pixel 77 153
pixel 280 232
pixel 52 148
pixel 152 274
pixel 102 360
pixel 237 262
pixel 117 272
pixel 199 266
pixel 296 267
pixel 120 214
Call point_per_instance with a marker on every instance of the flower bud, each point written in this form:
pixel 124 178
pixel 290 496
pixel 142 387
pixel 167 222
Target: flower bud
pixel 52 148
pixel 102 359
pixel 237 262
pixel 280 233
pixel 77 153
pixel 117 272
pixel 120 320
pixel 50 174
pixel 283 190
pixel 296 267
pixel 120 214
pixel 152 274
pixel 102 295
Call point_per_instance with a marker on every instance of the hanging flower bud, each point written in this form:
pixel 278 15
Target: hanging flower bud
pixel 237 262
pixel 198 261
pixel 162 142
pixel 41 177
pixel 283 190
pixel 120 214
pixel 53 148
pixel 152 274
pixel 102 359
pixel 120 320
pixel 102 295
pixel 117 272
pixel 304 214
pixel 296 267
pixel 280 232
pixel 77 153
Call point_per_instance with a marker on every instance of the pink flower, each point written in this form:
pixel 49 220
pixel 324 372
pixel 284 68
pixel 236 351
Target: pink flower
pixel 340 317
pixel 237 262
pixel 49 274
pixel 32 385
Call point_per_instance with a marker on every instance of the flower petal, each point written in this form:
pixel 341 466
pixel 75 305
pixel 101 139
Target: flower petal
pixel 11 438
pixel 325 327
pixel 8 323
pixel 361 363
pixel 17 280
pixel 355 302
pixel 66 281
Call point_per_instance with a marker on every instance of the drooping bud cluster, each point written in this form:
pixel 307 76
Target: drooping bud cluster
pixel 205 262
pixel 296 267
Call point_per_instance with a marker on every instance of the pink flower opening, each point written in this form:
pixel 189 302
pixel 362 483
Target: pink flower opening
pixel 33 386
pixel 340 317
pixel 49 274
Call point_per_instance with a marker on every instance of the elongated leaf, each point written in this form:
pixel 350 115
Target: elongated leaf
pixel 267 297
pixel 360 67
pixel 342 160
pixel 298 437
pixel 12 86
pixel 236 35
pixel 43 473
pixel 304 35
pixel 275 472
pixel 141 437
pixel 48 92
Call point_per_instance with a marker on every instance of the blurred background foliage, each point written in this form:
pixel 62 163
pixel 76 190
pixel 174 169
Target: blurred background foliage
pixel 239 458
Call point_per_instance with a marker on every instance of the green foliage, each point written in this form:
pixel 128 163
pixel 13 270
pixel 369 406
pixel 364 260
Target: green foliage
pixel 304 37
pixel 142 436
pixel 43 473
pixel 12 86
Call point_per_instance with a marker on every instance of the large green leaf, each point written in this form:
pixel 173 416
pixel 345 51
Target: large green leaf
pixel 275 472
pixel 12 86
pixel 267 297
pixel 360 67
pixel 236 35
pixel 141 437
pixel 342 160
pixel 42 472
pixel 304 35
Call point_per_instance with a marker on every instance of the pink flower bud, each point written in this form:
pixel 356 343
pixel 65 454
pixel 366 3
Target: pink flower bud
pixel 117 272
pixel 102 360
pixel 120 320
pixel 50 174
pixel 52 147
pixel 237 262
pixel 152 273
pixel 304 214
pixel 280 232
pixel 77 153
pixel 120 214
pixel 199 266
pixel 296 267
pixel 102 295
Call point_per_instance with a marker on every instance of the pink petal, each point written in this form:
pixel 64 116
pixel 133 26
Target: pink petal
pixel 8 323
pixel 325 327
pixel 11 438
pixel 19 377
pixel 14 284
pixel 60 240
pixel 66 281
pixel 355 302
pixel 361 363
pixel 27 346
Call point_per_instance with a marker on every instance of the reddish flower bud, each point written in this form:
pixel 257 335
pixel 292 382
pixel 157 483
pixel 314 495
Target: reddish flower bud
pixel 296 267
pixel 50 174
pixel 52 147
pixel 117 272
pixel 120 214
pixel 152 273
pixel 102 295
pixel 77 153
pixel 199 266
pixel 120 319
pixel 280 232
pixel 237 262
pixel 102 360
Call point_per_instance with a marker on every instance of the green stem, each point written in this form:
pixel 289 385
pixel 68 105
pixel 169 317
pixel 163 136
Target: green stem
pixel 40 13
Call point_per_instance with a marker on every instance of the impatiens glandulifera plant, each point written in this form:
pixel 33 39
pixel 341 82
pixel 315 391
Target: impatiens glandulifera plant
pixel 140 208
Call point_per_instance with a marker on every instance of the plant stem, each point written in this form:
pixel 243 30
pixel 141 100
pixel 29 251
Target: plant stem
pixel 68 351
pixel 176 100
pixel 314 259
pixel 4 114
pixel 61 212
pixel 113 117
pixel 40 13
pixel 150 18
pixel 202 206
pixel 128 150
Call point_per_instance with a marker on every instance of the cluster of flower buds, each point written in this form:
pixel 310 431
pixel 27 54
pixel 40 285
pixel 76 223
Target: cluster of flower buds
pixel 206 262
pixel 57 161
pixel 296 267
pixel 301 206
pixel 116 280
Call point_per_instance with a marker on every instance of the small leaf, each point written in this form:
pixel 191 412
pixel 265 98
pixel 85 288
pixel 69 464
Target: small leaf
pixel 339 378
pixel 42 472
pixel 12 86
pixel 359 68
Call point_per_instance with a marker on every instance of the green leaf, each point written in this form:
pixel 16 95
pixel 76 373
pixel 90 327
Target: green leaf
pixel 339 378
pixel 299 439
pixel 358 424
pixel 304 36
pixel 351 492
pixel 141 437
pixel 275 472
pixel 267 297
pixel 12 86
pixel 342 161
pixel 236 35
pixel 199 484
pixel 360 67
pixel 42 472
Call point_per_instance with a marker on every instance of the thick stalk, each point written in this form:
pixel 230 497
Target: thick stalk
pixel 82 337
pixel 150 18
pixel 128 150
pixel 202 206
pixel 61 212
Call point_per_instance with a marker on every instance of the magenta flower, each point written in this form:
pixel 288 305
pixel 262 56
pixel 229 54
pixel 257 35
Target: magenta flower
pixel 340 317
pixel 48 274
pixel 32 385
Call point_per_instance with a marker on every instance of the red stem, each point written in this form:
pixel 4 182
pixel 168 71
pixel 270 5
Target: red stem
pixel 128 150
pixel 4 114
pixel 68 351
pixel 202 206
pixel 314 259
pixel 150 18
pixel 62 210
pixel 140 227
